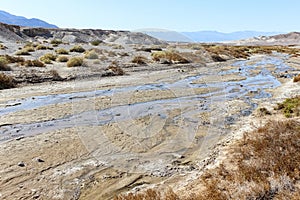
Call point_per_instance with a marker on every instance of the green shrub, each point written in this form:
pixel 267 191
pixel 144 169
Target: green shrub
pixel 62 51
pixel 91 55
pixel 78 49
pixel 62 59
pixel 75 62
pixel 290 107
pixel 6 82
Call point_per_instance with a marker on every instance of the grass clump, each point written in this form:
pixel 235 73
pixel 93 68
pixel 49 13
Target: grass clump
pixel 6 82
pixel 62 51
pixel 33 63
pixel 290 107
pixel 296 78
pixel 56 42
pixel 96 42
pixel 91 55
pixel 75 62
pixel 168 57
pixel 77 49
pixel 62 59
pixel 23 52
pixel 4 64
pixel 48 58
pixel 113 70
pixel 140 60
pixel 43 47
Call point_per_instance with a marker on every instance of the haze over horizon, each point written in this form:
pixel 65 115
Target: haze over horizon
pixel 190 15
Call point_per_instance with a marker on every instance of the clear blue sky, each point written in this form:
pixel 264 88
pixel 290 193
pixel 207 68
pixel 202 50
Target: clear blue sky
pixel 179 15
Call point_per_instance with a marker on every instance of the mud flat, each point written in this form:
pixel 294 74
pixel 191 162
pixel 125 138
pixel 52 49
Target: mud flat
pixel 95 138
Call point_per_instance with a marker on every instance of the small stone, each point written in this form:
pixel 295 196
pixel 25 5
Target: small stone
pixel 21 164
pixel 40 160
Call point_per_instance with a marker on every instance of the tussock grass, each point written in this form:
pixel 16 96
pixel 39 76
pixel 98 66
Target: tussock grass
pixel 141 60
pixel 149 194
pixel 62 59
pixel 6 82
pixel 169 57
pixel 4 64
pixel 91 55
pixel 23 52
pixel 48 58
pixel 33 63
pixel 75 62
pixel 113 70
pixel 78 49
pixel 96 42
pixel 62 51
pixel 56 42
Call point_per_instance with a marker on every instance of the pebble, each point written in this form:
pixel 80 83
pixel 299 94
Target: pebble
pixel 21 164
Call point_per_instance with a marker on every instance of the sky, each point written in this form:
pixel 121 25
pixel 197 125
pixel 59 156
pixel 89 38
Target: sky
pixel 177 15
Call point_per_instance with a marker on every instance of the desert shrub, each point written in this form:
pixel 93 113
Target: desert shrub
pixel 111 54
pixel 123 54
pixel 29 49
pixel 55 75
pixel 23 52
pixel 96 42
pixel 78 49
pixel 170 57
pixel 118 46
pixel 43 47
pixel 113 70
pixel 91 55
pixel 33 63
pixel 62 51
pixel 217 58
pixel 75 62
pixel 141 60
pixel 290 107
pixel 3 64
pixel 12 59
pixel 296 78
pixel 56 42
pixel 48 58
pixel 6 82
pixel 62 59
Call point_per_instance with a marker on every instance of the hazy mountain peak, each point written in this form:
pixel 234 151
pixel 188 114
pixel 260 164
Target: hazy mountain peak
pixel 8 18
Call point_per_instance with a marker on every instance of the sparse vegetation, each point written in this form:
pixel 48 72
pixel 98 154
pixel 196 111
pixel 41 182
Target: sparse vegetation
pixel 290 107
pixel 33 63
pixel 113 70
pixel 91 55
pixel 3 64
pixel 75 62
pixel 62 59
pixel 6 82
pixel 62 51
pixel 12 59
pixel 96 42
pixel 168 57
pixel 56 42
pixel 78 49
pixel 141 60
pixel 48 58
pixel 23 52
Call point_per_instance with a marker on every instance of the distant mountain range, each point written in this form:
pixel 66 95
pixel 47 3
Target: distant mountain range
pixel 8 18
pixel 203 36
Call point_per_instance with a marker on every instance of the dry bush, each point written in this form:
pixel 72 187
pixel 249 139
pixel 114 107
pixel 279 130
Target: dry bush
pixel 149 194
pixel 91 55
pixel 75 62
pixel 55 75
pixel 113 70
pixel 296 78
pixel 3 64
pixel 62 59
pixel 33 63
pixel 62 51
pixel 12 59
pixel 6 82
pixel 78 49
pixel 43 47
pixel 48 58
pixel 23 52
pixel 169 57
pixel 141 60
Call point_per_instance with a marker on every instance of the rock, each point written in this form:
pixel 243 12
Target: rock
pixel 40 160
pixel 21 164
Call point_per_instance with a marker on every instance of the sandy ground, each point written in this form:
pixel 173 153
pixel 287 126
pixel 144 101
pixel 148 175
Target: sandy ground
pixel 95 138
